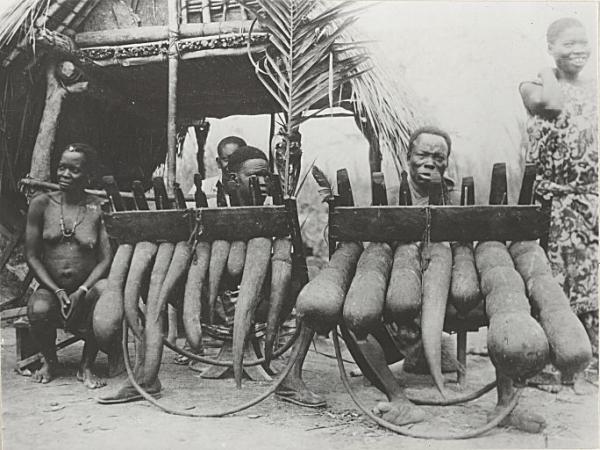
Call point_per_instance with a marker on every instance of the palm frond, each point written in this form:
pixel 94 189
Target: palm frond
pixel 17 19
pixel 304 65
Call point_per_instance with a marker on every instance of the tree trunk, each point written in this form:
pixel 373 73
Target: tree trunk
pixel 44 144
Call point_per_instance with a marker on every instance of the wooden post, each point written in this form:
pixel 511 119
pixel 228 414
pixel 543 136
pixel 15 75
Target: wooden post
pixel 141 204
pixel 344 189
pixel 206 11
pixel 467 198
pixel 84 15
pixel 44 143
pixel 526 193
pixel 201 130
pixel 499 188
pixel 199 197
pixel 184 11
pixel 404 197
pixel 271 150
pixel 72 15
pixel 378 189
pixel 172 95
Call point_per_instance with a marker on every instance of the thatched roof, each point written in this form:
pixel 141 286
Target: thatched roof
pixel 124 44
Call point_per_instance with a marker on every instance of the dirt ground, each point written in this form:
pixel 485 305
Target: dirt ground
pixel 64 414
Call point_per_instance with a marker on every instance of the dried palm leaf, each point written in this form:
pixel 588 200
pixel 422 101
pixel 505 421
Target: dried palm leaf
pixel 304 62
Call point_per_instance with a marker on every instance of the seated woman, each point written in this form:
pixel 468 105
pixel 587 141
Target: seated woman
pixel 67 249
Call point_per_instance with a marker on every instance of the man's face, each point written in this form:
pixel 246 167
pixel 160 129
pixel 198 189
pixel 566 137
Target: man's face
pixel 429 155
pixel 258 167
pixel 224 154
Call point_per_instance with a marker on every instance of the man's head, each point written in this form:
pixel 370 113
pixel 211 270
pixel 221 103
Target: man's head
pixel 225 149
pixel 428 152
pixel 243 163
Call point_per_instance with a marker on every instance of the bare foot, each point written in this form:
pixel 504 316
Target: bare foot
pixel 44 374
pixel 399 412
pixel 521 419
pixel 89 379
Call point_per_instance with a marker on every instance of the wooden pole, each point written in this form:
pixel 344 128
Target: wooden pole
pixel 84 15
pixel 172 95
pixel 272 150
pixel 184 11
pixel 67 21
pixel 143 35
pixel 206 11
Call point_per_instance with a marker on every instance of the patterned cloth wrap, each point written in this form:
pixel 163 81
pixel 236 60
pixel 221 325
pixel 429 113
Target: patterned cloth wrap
pixel 565 151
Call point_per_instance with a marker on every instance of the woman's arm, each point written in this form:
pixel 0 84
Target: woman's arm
pixel 544 99
pixel 104 257
pixel 33 241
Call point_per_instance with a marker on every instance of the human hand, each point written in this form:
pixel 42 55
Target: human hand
pixel 74 299
pixel 65 302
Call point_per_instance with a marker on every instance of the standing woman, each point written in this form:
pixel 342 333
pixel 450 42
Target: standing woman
pixel 69 252
pixel 563 142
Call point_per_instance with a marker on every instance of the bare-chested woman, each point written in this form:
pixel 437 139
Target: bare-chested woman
pixel 68 250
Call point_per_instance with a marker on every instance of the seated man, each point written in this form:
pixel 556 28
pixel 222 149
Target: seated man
pixel 428 151
pixel 67 249
pixel 243 163
pixel 225 149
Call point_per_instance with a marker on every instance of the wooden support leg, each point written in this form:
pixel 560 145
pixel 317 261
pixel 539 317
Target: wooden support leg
pixel 172 319
pixel 461 356
pixel 24 342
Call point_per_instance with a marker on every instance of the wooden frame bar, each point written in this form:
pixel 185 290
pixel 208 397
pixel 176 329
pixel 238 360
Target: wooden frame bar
pixel 447 223
pixel 234 223
pixel 157 33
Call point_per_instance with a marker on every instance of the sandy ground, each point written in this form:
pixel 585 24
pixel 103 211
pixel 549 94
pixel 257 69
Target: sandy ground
pixel 64 415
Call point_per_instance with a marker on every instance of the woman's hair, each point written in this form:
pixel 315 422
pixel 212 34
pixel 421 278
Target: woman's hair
pixel 91 157
pixel 429 130
pixel 560 25
pixel 243 154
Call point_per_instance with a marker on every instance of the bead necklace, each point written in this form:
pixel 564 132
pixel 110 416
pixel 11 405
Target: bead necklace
pixel 69 233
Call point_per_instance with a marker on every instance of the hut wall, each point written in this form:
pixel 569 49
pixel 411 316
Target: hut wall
pixel 112 14
pixel 23 97
pixel 127 148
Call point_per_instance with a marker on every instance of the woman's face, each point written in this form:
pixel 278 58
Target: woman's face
pixel 570 50
pixel 71 171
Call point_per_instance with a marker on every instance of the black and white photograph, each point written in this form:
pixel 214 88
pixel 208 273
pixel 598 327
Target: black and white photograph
pixel 299 224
